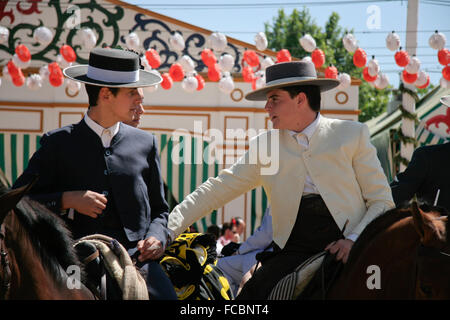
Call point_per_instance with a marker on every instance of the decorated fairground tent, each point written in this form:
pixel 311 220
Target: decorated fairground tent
pixel 432 127
pixel 206 76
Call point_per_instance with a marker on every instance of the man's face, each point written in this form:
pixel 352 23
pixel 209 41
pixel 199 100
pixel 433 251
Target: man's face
pixel 282 109
pixel 127 105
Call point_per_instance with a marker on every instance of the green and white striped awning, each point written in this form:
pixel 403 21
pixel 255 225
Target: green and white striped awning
pixel 181 179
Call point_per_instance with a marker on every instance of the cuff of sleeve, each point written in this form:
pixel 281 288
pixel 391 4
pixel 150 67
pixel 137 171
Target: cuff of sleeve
pixel 353 236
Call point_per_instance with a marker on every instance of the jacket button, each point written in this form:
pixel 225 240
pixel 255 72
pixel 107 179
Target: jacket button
pixel 105 172
pixel 105 193
pixel 108 152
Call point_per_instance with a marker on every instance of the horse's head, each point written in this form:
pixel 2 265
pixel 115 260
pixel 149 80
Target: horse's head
pixel 433 255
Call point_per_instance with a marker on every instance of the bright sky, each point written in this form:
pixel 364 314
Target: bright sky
pixel 243 19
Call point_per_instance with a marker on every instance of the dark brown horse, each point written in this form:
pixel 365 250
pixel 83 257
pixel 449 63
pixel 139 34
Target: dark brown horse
pixel 403 254
pixel 37 259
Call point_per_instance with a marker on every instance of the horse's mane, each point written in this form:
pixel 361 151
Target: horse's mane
pixel 385 220
pixel 48 235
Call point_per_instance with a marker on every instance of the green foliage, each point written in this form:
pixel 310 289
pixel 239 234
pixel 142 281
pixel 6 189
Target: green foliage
pixel 285 32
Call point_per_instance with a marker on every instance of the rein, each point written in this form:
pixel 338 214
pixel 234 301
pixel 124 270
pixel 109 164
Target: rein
pixel 5 266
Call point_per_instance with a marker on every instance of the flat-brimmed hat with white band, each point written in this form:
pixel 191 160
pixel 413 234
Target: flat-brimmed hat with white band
pixel 288 74
pixel 445 100
pixel 112 68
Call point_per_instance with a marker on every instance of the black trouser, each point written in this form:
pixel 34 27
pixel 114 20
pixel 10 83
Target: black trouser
pixel 313 230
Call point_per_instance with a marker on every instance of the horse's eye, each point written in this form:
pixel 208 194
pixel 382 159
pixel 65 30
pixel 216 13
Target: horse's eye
pixel 427 290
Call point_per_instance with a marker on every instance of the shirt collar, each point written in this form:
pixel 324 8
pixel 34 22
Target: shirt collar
pixel 98 129
pixel 310 129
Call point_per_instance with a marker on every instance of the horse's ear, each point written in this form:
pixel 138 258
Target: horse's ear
pixel 9 200
pixel 430 229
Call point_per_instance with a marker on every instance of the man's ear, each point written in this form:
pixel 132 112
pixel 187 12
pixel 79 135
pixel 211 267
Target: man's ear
pixel 301 98
pixel 104 93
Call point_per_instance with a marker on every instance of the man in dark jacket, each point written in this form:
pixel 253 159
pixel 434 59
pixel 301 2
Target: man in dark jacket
pixel 427 175
pixel 103 176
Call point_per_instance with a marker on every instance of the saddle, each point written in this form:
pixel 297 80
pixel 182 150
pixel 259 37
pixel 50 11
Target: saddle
pixel 110 273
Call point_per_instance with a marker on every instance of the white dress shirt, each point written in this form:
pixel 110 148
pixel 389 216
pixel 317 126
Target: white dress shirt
pixel 105 134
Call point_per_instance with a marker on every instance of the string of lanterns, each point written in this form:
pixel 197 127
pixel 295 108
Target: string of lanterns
pixel 219 69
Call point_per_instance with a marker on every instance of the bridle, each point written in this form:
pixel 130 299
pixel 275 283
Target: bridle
pixel 5 283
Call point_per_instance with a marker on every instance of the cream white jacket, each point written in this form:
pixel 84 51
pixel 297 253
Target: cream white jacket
pixel 340 160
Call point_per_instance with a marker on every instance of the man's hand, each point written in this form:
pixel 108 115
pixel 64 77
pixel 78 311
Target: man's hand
pixel 341 247
pixel 150 248
pixel 87 202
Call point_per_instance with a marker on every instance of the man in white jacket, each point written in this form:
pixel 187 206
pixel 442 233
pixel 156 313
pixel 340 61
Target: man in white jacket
pixel 327 173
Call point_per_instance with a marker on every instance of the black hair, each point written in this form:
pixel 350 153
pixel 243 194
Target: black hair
pixel 312 94
pixel 93 92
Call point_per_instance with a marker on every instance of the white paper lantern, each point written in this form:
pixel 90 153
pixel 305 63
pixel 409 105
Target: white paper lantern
pixel 373 67
pixel 132 41
pixel 261 41
pixel 4 34
pixel 437 41
pixel 260 79
pixel 43 35
pixel 34 81
pixel 350 43
pixel 308 43
pixel 444 83
pixel 73 87
pixel 218 41
pixel 62 62
pixel 226 62
pixel 307 59
pixel 19 63
pixel 176 41
pixel 393 41
pixel 44 72
pixel 226 84
pixel 187 63
pixel 266 62
pixel 89 38
pixel 413 66
pixel 189 84
pixel 344 80
pixel 144 63
pixel 422 78
pixel 382 81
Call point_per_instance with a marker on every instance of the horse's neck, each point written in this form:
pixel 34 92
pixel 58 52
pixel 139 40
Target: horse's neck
pixel 30 277
pixel 390 256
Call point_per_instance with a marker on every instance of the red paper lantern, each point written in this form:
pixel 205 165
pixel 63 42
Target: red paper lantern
pixel 359 58
pixel 167 81
pixel 153 58
pixel 56 77
pixel 251 58
pixel 18 80
pixel 247 74
pixel 13 70
pixel 318 58
pixel 53 67
pixel 214 72
pixel 446 73
pixel 426 83
pixel 68 53
pixel 367 76
pixel 208 58
pixel 23 53
pixel 444 56
pixel 331 72
pixel 201 82
pixel 283 56
pixel 176 72
pixel 401 58
pixel 408 77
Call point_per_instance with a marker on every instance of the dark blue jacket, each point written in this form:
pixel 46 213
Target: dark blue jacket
pixel 427 173
pixel 128 173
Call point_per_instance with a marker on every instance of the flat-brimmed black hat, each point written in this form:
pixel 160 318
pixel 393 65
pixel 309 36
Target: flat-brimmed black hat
pixel 287 74
pixel 112 68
